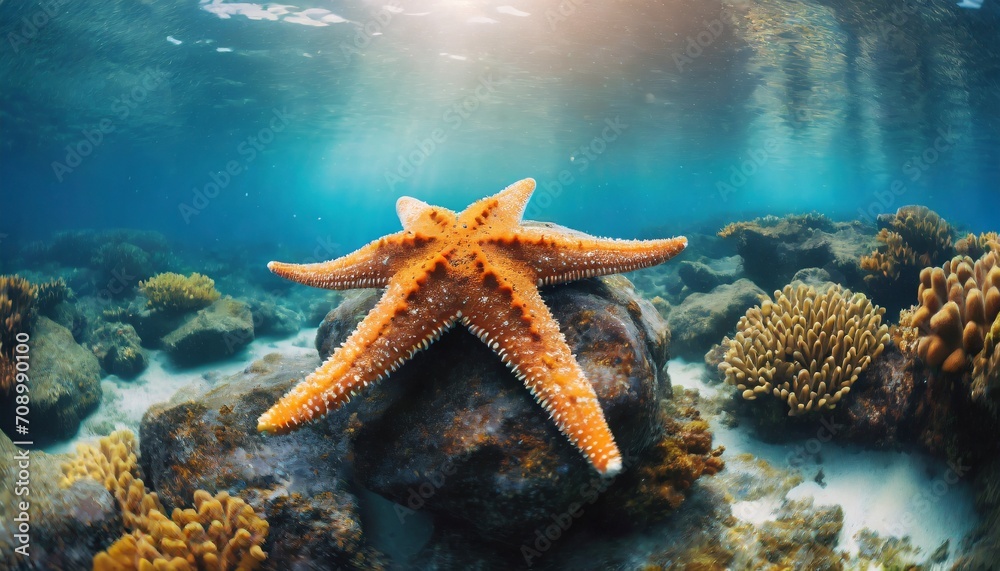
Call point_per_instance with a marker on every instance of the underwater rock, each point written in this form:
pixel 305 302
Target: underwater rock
pixel 700 277
pixel 65 383
pixel 815 277
pixel 151 326
pixel 67 526
pixel 216 332
pixel 207 439
pixel 454 432
pixel 116 346
pixel 883 403
pixel 703 319
pixel 983 553
pixel 68 315
pixel 883 410
pixel 270 318
pixel 774 249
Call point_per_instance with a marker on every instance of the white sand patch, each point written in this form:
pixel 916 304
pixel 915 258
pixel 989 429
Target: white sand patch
pixel 893 493
pixel 126 401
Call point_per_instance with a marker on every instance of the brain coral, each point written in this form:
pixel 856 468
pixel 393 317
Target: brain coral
pixel 172 292
pixel 805 347
pixel 958 302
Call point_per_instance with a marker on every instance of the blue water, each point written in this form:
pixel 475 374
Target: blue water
pixel 659 117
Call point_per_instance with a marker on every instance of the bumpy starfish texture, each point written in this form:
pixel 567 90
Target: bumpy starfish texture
pixel 481 268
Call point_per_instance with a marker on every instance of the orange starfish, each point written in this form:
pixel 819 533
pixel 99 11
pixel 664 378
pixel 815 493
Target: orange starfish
pixel 483 268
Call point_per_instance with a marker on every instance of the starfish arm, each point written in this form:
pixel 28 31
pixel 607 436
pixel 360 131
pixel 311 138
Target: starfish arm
pixel 558 257
pixel 514 322
pixel 371 266
pixel 502 210
pixel 418 216
pixel 408 318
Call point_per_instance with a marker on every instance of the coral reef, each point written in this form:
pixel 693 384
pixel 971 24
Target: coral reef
pixel 222 533
pixel 975 246
pixel 774 249
pixel 986 369
pixel 958 302
pixel 67 524
pixel 17 313
pixel 113 456
pixel 73 246
pixel 805 347
pixel 911 239
pixel 52 293
pixel 170 292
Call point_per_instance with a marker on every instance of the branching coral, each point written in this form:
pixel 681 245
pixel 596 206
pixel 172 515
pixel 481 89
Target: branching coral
pixel 222 533
pixel 806 348
pixel 17 314
pixel 986 369
pixel 975 246
pixel 172 292
pixel 913 238
pixel 51 293
pixel 958 301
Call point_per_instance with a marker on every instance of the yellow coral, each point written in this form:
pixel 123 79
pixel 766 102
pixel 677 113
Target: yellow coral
pixel 958 301
pixel 113 456
pixel 806 348
pixel 975 246
pixel 172 292
pixel 222 533
pixel 986 368
pixel 915 237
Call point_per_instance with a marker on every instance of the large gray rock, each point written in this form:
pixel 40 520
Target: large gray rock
pixel 216 332
pixel 271 318
pixel 67 526
pixel 117 348
pixel 703 319
pixel 206 438
pixel 454 433
pixel 703 277
pixel 65 384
